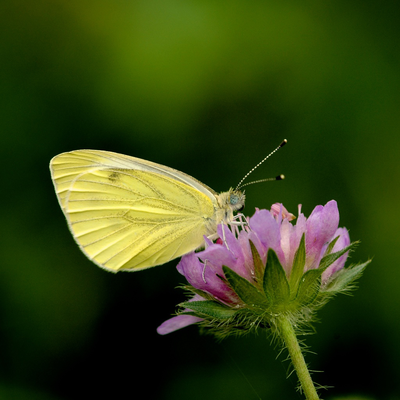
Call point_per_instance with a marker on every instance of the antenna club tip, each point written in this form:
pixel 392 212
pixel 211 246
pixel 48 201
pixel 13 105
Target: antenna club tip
pixel 280 177
pixel 284 141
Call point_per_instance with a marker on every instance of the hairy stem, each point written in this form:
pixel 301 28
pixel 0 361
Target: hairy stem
pixel 291 342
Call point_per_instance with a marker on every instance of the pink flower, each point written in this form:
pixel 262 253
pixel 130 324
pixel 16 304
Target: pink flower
pixel 243 277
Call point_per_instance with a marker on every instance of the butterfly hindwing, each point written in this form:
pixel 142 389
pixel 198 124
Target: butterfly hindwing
pixel 125 218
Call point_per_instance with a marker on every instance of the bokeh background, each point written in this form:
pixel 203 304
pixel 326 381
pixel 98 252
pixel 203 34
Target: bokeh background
pixel 209 88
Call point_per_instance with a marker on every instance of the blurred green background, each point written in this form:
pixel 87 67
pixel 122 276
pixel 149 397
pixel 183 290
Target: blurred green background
pixel 209 88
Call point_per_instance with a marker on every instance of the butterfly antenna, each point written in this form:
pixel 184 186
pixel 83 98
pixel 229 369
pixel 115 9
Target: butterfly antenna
pixel 279 177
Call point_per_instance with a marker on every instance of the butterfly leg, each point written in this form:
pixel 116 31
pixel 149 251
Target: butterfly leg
pixel 239 220
pixel 223 237
pixel 204 271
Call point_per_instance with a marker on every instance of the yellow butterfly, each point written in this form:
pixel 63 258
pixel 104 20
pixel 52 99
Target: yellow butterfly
pixel 126 213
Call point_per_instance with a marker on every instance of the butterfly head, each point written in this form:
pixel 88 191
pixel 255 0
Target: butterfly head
pixel 228 203
pixel 236 200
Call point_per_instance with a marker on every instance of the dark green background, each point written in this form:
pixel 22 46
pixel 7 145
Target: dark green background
pixel 209 88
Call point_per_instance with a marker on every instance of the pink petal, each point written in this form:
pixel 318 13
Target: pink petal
pixel 342 242
pixel 175 323
pixel 268 230
pixel 205 277
pixel 320 228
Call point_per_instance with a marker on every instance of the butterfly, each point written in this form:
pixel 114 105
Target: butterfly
pixel 128 214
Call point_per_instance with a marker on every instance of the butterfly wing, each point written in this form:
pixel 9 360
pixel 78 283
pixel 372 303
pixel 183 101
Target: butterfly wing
pixel 129 214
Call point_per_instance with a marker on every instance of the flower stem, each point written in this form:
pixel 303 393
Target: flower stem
pixel 290 339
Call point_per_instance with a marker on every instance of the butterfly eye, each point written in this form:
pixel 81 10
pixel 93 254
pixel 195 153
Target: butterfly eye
pixel 234 199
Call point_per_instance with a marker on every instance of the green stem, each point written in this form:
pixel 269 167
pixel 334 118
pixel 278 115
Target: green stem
pixel 290 339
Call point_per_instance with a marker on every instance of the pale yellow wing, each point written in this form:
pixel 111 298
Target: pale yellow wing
pixel 130 214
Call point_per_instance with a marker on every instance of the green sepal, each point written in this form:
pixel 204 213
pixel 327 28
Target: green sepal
pixel 210 308
pixel 247 292
pixel 259 266
pixel 299 262
pixel 310 283
pixel 275 283
pixel 200 292
pixel 329 259
pixel 309 287
pixel 342 280
pixel 330 245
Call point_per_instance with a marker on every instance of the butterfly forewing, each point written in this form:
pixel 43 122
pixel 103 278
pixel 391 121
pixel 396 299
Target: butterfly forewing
pixel 67 166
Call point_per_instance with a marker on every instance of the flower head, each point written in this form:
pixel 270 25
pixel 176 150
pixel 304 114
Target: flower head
pixel 268 268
